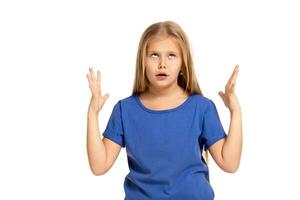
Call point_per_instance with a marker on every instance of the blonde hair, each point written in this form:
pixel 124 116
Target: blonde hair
pixel 188 80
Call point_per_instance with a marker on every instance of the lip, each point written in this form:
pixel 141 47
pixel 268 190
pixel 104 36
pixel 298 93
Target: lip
pixel 161 77
pixel 164 73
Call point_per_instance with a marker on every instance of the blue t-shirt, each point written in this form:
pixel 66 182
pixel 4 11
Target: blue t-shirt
pixel 164 147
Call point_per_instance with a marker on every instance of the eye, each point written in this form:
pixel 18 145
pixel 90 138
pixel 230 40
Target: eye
pixel 154 55
pixel 172 55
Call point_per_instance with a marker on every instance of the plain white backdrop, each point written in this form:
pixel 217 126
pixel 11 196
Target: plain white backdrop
pixel 46 48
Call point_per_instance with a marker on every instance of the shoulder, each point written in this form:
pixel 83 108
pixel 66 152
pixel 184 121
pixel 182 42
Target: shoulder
pixel 202 99
pixel 127 101
pixel 204 102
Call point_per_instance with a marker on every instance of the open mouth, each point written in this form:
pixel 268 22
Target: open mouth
pixel 161 74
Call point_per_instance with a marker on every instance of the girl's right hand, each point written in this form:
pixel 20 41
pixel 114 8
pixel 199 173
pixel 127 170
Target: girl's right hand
pixel 97 100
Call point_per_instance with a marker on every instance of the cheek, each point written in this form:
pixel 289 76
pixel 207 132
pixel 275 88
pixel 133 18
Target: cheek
pixel 150 66
pixel 151 63
pixel 149 71
pixel 177 66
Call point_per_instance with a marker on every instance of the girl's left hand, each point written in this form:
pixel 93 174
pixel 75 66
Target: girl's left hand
pixel 229 98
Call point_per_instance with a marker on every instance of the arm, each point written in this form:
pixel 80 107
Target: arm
pixel 95 147
pixel 101 153
pixel 232 147
pixel 227 151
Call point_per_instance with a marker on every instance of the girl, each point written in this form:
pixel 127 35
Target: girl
pixel 165 124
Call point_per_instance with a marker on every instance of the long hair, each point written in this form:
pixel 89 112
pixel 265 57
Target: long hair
pixel 187 80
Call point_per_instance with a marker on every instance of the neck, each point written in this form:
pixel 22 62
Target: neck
pixel 172 91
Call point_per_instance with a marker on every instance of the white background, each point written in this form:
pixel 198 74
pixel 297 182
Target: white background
pixel 47 46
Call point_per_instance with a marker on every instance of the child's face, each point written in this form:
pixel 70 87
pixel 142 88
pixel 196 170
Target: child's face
pixel 163 55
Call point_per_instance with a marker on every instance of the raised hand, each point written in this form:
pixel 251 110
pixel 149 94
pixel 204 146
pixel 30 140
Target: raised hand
pixel 229 98
pixel 97 100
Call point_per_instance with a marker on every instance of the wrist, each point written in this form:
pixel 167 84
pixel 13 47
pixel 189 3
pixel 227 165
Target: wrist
pixel 235 112
pixel 92 113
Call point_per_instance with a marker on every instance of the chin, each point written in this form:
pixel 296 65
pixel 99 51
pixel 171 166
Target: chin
pixel 162 85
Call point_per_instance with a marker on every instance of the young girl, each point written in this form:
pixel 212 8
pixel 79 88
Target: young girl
pixel 165 124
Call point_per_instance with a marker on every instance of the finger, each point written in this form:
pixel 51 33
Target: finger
pixel 99 76
pixel 106 96
pixel 233 81
pixel 99 81
pixel 89 78
pixel 92 73
pixel 221 94
pixel 234 72
pixel 232 87
pixel 233 76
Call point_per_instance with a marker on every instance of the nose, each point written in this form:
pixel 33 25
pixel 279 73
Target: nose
pixel 162 63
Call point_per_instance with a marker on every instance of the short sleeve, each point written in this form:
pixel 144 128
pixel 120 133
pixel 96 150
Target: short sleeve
pixel 212 129
pixel 114 128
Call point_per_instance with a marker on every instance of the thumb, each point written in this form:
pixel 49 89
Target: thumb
pixel 221 94
pixel 105 97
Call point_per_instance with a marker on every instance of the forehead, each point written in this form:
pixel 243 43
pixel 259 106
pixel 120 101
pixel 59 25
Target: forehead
pixel 162 44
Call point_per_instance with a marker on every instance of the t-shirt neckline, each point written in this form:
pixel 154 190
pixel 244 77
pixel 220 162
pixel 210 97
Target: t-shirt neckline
pixel 137 98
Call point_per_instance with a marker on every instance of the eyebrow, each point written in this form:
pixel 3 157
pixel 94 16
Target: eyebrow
pixel 174 52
